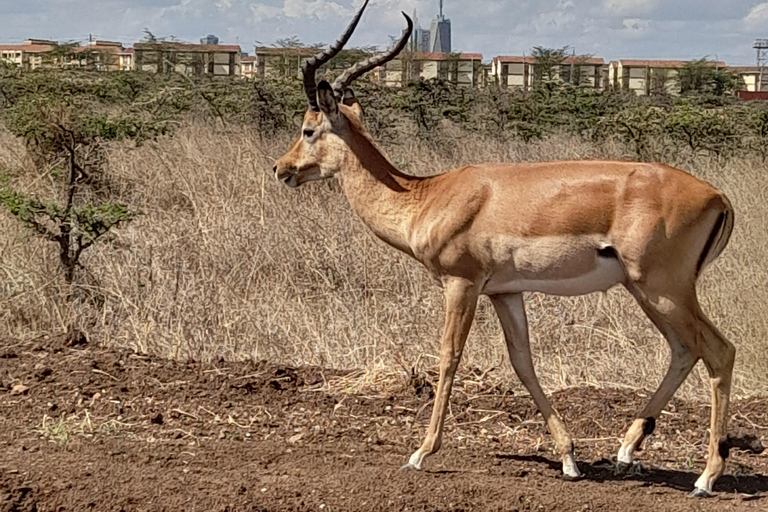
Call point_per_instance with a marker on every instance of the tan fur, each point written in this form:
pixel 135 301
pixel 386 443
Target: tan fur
pixel 560 227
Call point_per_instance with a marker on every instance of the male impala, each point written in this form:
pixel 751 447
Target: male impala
pixel 563 228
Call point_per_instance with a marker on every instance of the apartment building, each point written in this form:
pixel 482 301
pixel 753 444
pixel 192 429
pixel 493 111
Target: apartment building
pixel 280 62
pixel 187 59
pixel 28 55
pixel 748 78
pixel 644 77
pixel 248 66
pixel 463 69
pixel 519 71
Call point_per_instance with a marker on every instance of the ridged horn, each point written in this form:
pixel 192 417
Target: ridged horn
pixel 310 66
pixel 362 67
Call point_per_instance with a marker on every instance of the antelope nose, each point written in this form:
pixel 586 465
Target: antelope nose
pixel 274 168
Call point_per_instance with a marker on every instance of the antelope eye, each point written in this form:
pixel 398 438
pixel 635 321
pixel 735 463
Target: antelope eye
pixel 309 133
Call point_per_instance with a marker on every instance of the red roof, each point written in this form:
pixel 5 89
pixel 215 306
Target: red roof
pixel 249 58
pixel 188 47
pixel 269 50
pixel 31 48
pixel 514 59
pixel 663 63
pixel 446 56
pixel 743 69
pixel 520 59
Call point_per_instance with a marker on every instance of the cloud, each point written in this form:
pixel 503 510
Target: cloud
pixel 630 7
pixel 263 12
pixel 295 9
pixel 321 9
pixel 758 15
pixel 636 24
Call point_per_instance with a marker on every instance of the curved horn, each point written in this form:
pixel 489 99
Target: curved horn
pixel 311 65
pixel 351 74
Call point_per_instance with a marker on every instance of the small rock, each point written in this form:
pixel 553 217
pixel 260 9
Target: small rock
pixel 19 389
pixel 295 438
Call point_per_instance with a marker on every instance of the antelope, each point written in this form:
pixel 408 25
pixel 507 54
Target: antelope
pixel 564 228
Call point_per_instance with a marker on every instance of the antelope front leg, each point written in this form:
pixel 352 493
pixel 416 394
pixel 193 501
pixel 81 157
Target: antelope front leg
pixel 460 303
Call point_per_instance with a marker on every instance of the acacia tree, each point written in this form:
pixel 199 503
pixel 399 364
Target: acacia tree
pixel 65 122
pixel 547 62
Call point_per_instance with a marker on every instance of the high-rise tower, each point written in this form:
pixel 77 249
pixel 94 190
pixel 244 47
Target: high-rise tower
pixel 419 38
pixel 440 33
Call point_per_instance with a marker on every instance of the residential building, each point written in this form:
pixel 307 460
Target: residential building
pixel 280 62
pixel 97 55
pixel 283 62
pixel 188 59
pixel 125 60
pixel 248 66
pixel 513 71
pixel 463 69
pixel 28 55
pixel 748 78
pixel 644 77
pixel 517 71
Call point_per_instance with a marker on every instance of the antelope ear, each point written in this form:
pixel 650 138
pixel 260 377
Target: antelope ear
pixel 351 101
pixel 327 102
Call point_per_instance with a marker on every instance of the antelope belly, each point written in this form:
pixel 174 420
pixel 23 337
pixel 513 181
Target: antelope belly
pixel 605 273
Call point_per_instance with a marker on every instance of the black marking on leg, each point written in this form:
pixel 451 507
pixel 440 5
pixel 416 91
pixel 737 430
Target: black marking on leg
pixel 724 448
pixel 649 425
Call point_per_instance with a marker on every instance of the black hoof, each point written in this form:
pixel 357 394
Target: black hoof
pixel 570 478
pixel 701 493
pixel 621 468
pixel 408 467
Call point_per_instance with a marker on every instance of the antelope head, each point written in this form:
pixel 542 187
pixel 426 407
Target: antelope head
pixel 319 151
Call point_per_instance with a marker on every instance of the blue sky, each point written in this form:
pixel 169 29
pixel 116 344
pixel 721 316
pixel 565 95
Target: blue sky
pixel 610 29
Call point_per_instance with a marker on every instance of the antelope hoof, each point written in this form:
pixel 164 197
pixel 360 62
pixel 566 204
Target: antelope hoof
pixel 572 478
pixel 571 471
pixel 622 468
pixel 409 467
pixel 701 493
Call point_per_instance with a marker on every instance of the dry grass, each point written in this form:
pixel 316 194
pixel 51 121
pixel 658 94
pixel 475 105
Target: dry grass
pixel 226 263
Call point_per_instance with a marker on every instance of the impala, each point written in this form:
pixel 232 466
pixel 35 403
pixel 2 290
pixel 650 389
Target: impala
pixel 563 228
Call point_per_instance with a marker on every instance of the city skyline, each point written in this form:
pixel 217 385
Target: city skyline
pixel 611 29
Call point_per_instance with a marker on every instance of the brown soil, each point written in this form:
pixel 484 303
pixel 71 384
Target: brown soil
pixel 90 428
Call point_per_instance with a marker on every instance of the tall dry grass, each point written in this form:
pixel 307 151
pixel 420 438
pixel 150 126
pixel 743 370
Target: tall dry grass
pixel 225 262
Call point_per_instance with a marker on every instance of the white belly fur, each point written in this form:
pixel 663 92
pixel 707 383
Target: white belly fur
pixel 606 273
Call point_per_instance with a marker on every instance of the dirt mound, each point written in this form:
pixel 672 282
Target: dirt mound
pixel 85 427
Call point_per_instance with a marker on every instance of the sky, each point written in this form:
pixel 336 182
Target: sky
pixel 675 29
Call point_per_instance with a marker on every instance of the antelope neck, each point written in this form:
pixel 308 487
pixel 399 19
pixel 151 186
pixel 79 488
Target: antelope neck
pixel 383 197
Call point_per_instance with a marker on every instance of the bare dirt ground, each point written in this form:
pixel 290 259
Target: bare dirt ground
pixel 87 428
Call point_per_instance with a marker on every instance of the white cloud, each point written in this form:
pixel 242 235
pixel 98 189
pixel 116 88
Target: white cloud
pixel 757 15
pixel 630 7
pixel 294 9
pixel 321 9
pixel 263 12
pixel 636 24
pixel 223 5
